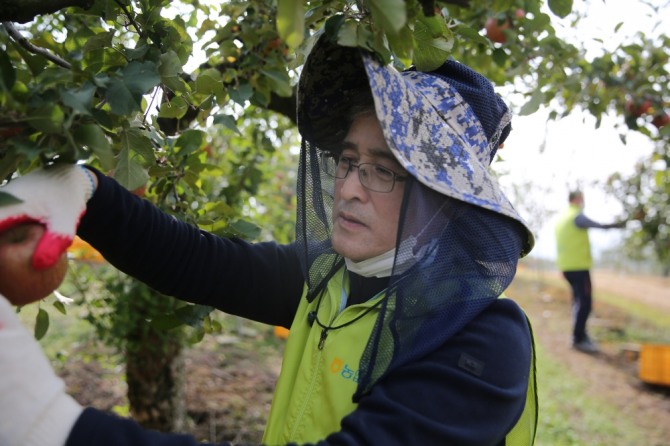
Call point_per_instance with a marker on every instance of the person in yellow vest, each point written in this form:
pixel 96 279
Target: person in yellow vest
pixel 573 249
pixel 393 290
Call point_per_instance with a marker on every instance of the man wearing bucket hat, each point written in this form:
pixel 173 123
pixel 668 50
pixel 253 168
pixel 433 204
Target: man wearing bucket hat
pixel 392 289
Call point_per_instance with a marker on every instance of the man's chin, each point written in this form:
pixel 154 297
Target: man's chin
pixel 347 249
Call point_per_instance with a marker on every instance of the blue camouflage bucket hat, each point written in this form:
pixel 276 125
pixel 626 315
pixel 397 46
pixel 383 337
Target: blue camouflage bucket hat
pixel 444 127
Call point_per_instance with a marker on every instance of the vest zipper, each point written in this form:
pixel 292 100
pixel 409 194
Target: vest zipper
pixel 322 339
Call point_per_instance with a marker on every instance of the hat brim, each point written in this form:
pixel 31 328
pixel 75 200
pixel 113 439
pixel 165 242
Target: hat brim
pixel 430 129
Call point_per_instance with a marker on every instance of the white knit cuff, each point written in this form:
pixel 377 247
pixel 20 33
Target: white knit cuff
pixel 55 423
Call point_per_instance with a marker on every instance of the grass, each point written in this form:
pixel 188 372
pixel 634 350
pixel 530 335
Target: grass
pixel 568 417
pixel 637 310
pixel 643 323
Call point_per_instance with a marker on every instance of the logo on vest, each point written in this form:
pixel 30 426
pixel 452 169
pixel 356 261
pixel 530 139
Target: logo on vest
pixel 338 366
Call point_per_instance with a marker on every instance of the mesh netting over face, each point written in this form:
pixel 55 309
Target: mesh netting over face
pixel 462 260
pixel 452 260
pixel 459 238
pixel 443 127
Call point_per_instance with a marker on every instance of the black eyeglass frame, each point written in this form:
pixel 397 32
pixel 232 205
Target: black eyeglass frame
pixel 332 159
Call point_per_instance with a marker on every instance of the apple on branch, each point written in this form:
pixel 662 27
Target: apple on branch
pixel 495 29
pixel 495 26
pixel 661 120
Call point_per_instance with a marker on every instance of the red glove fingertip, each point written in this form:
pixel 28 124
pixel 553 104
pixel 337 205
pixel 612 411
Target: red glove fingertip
pixel 49 249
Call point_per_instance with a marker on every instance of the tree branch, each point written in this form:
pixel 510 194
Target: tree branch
pixel 18 37
pixel 23 11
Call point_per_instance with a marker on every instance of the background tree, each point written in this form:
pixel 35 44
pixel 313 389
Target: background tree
pixel 645 196
pixel 144 89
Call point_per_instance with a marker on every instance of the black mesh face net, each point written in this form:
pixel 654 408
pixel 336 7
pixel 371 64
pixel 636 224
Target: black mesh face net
pixel 456 251
pixel 452 260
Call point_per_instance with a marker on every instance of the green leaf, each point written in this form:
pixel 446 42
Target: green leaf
pixel 93 137
pixel 197 336
pixel 125 93
pixel 241 93
pixel 138 52
pixel 560 7
pixel 245 229
pixel 48 119
pixel 136 140
pixel 227 121
pixel 141 77
pixel 347 35
pixel 99 41
pixel 34 63
pixel 499 56
pixel 191 315
pixel 166 322
pixel 7 72
pixel 176 108
pixel 8 199
pixel 41 324
pixel 471 34
pixel 402 44
pixel 390 15
pixel 60 306
pixel 130 174
pixel 431 47
pixel 207 84
pixel 280 82
pixel 533 105
pixel 121 100
pixel 291 21
pixel 190 141
pixel 170 69
pixel 79 99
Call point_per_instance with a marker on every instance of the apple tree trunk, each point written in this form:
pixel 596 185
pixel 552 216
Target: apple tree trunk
pixel 154 374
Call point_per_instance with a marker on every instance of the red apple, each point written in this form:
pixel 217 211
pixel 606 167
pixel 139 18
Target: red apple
pixel 20 282
pixel 660 121
pixel 9 132
pixel 644 107
pixel 495 29
pixel 637 110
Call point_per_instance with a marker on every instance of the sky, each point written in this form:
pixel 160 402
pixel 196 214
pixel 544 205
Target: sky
pixel 575 154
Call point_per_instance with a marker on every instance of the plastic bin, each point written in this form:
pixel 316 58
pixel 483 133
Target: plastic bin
pixel 655 364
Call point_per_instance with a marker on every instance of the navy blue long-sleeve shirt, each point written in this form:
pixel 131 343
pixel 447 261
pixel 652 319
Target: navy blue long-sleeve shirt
pixel 435 400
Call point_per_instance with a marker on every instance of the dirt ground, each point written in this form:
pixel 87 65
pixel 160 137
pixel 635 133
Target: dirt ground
pixel 229 379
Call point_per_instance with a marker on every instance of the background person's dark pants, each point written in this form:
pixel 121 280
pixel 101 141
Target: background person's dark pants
pixel 580 282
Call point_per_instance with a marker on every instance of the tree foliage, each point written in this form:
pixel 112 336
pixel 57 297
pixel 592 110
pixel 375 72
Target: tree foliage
pixel 645 196
pixel 140 88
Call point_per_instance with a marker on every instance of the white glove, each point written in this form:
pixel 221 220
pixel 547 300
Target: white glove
pixel 34 408
pixel 55 197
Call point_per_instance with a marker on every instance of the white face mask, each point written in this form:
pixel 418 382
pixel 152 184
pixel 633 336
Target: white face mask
pixel 379 266
pixel 382 265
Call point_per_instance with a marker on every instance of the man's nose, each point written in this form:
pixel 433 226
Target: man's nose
pixel 351 186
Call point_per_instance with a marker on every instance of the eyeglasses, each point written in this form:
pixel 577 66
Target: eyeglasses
pixel 372 176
